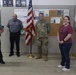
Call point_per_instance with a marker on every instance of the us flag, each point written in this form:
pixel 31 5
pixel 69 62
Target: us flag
pixel 30 29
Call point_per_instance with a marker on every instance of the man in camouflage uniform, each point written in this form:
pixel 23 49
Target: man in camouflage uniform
pixel 43 29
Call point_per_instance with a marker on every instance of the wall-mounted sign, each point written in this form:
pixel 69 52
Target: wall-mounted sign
pixel 7 3
pixel 20 3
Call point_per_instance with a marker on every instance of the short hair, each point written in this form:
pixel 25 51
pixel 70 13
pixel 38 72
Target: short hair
pixel 15 15
pixel 41 13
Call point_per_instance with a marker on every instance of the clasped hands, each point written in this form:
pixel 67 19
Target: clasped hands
pixel 61 42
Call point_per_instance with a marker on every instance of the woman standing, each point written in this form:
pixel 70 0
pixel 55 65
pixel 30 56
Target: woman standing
pixel 65 42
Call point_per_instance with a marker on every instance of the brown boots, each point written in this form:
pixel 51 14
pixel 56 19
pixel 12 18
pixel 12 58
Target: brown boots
pixel 39 57
pixel 45 57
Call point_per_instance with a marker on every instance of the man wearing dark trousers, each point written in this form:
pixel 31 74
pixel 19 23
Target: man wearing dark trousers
pixel 14 25
pixel 1 56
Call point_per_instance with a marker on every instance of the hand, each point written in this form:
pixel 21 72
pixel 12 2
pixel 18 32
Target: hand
pixel 1 31
pixel 64 23
pixel 61 42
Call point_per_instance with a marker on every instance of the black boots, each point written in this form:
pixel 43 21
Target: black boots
pixel 11 54
pixel 2 62
pixel 17 53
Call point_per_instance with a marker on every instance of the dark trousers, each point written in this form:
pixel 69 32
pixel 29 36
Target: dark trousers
pixel 14 37
pixel 65 51
pixel 1 57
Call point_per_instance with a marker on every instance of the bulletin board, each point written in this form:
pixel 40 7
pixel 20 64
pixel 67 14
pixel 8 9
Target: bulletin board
pixel 55 18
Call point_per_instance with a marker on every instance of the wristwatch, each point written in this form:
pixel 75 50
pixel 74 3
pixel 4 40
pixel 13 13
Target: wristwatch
pixel 63 40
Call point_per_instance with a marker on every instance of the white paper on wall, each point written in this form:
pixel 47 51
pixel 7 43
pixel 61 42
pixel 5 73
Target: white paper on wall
pixel 46 13
pixel 22 15
pixel 55 20
pixel 66 12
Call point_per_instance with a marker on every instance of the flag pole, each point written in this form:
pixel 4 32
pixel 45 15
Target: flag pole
pixel 30 28
pixel 30 54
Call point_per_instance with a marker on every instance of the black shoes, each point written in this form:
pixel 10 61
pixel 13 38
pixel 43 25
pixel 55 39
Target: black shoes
pixel 11 54
pixel 18 55
pixel 2 62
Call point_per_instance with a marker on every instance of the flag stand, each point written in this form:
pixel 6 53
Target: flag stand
pixel 72 56
pixel 31 55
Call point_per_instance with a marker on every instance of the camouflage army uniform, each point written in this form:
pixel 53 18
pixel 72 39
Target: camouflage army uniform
pixel 43 29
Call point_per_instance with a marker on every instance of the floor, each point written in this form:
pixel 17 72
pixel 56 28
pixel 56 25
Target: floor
pixel 30 66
